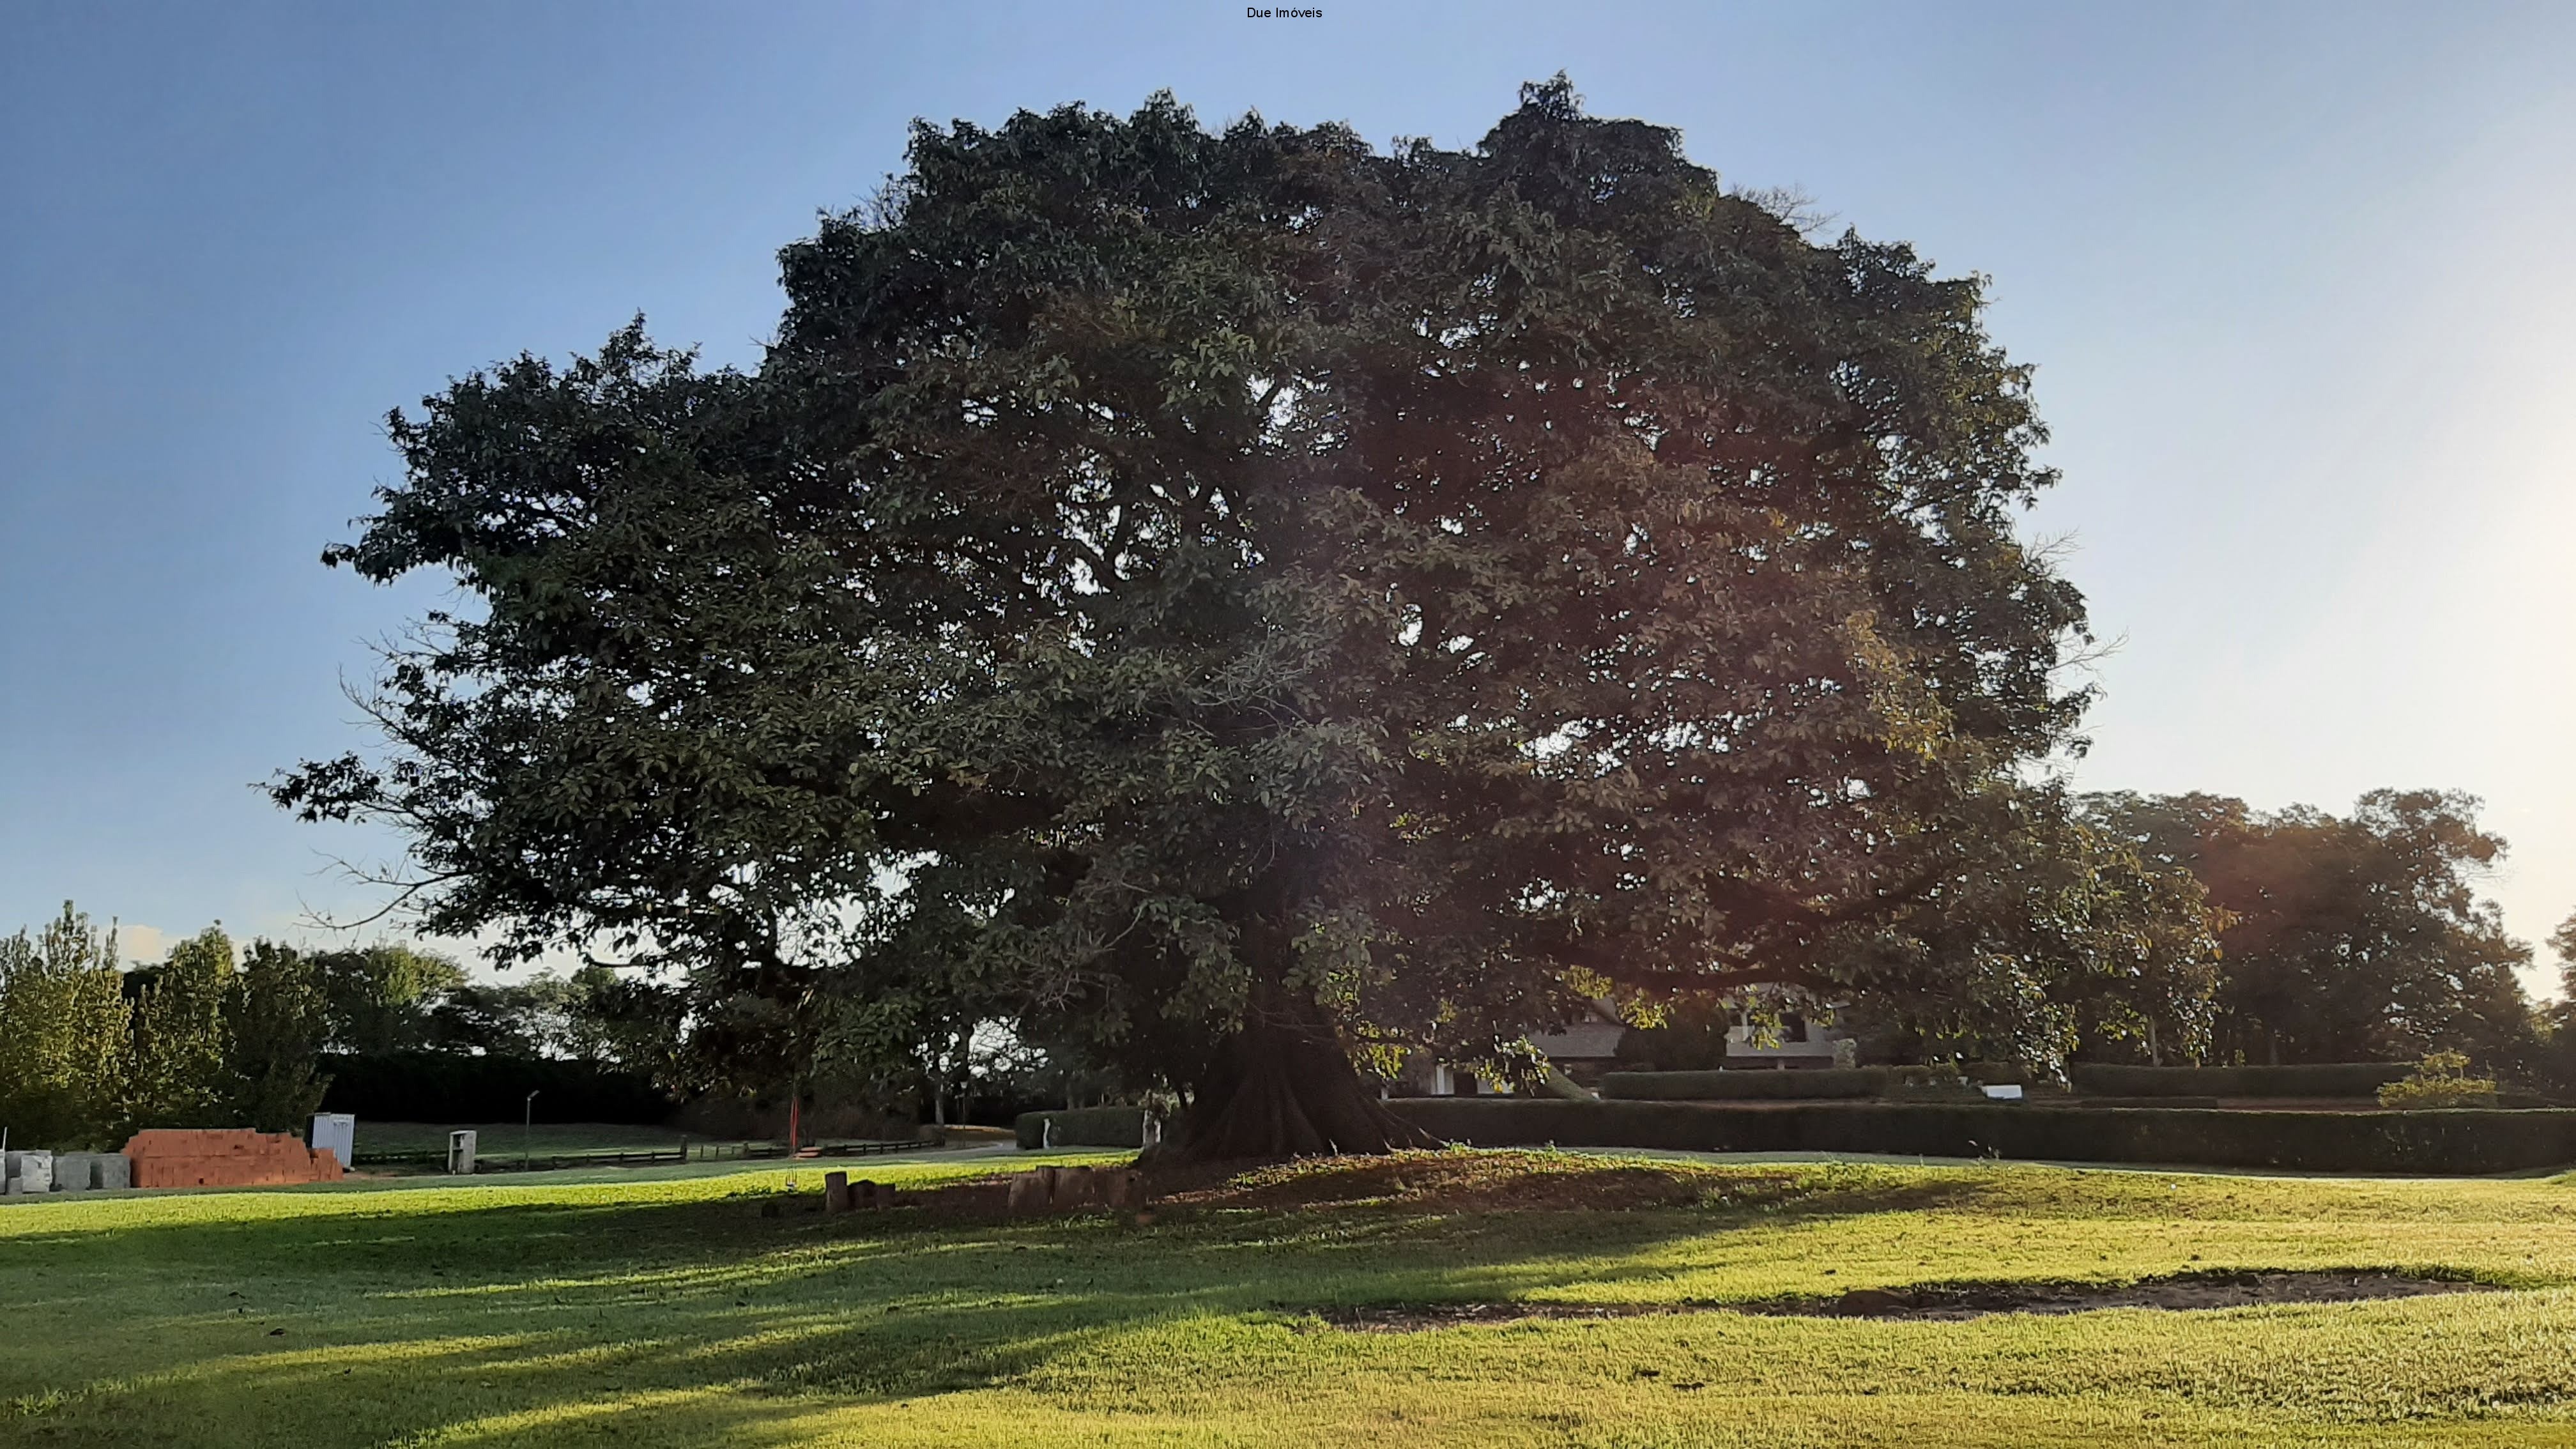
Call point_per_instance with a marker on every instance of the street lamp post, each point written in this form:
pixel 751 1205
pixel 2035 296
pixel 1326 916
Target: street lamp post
pixel 528 1135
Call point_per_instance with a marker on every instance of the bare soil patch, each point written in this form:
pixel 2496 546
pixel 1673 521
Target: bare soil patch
pixel 1483 1182
pixel 2181 1292
pixel 1451 1181
pixel 2185 1291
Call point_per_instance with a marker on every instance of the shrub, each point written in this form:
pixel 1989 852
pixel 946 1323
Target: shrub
pixel 2441 1080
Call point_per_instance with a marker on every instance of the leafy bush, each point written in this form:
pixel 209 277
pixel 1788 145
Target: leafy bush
pixel 2441 1080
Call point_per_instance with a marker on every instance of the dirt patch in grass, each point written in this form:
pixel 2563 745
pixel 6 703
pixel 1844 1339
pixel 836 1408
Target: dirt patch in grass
pixel 1427 1182
pixel 1416 1317
pixel 1463 1181
pixel 2182 1292
pixel 1484 1182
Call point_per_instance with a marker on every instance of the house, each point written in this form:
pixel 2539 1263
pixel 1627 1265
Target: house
pixel 1585 1049
pixel 1801 1043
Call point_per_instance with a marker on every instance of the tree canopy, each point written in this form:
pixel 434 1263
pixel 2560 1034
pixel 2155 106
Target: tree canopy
pixel 2352 938
pixel 1253 603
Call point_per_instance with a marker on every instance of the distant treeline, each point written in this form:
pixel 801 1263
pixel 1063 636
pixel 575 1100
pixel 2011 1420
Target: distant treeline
pixel 2342 938
pixel 91 1051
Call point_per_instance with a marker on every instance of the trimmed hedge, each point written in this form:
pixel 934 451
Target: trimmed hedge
pixel 2457 1141
pixel 453 1087
pixel 1806 1084
pixel 1745 1086
pixel 2325 1079
pixel 1084 1127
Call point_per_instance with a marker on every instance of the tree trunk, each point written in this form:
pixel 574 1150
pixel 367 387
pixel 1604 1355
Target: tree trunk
pixel 1283 1086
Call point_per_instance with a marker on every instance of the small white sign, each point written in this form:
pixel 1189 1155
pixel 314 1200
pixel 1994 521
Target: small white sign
pixel 2004 1092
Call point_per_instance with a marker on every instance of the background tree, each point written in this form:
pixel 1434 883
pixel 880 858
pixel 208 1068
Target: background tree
pixel 1264 603
pixel 623 1022
pixel 379 998
pixel 2349 939
pixel 276 1020
pixel 2557 1055
pixel 500 1019
pixel 1690 1036
pixel 65 1050
pixel 183 1059
pixel 2042 932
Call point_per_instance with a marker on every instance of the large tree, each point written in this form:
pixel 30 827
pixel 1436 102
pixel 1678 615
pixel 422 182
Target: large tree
pixel 1260 603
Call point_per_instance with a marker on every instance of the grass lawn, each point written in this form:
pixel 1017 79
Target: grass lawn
pixel 661 1307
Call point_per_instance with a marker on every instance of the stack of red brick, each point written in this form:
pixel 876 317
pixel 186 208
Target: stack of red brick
pixel 225 1157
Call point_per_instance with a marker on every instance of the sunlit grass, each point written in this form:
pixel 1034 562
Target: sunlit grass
pixel 663 1308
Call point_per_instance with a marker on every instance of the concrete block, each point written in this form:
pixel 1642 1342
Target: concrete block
pixel 92 1172
pixel 836 1192
pixel 75 1171
pixel 32 1171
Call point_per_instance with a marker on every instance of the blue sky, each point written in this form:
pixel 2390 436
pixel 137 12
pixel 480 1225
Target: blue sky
pixel 2293 276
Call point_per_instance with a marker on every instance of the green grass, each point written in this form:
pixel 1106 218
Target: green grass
pixel 660 1308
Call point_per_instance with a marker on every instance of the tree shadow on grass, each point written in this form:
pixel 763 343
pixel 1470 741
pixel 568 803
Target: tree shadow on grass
pixel 547 1322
